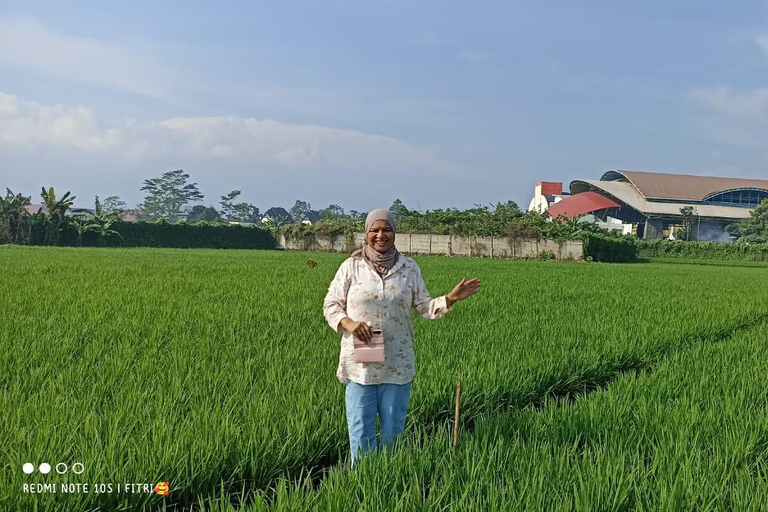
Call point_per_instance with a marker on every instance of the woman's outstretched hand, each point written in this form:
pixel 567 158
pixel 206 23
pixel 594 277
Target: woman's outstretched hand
pixel 463 290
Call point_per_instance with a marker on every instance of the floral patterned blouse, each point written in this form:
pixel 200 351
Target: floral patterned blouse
pixel 358 292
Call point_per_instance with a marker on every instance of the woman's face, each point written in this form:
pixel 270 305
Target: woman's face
pixel 381 237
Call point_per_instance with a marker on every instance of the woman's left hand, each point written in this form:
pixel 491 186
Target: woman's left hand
pixel 464 289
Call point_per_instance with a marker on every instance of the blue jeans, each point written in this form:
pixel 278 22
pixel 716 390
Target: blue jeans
pixel 364 402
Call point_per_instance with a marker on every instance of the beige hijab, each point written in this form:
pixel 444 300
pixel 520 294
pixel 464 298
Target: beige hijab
pixel 381 262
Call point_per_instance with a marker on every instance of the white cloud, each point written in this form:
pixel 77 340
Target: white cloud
pixel 30 125
pixel 32 46
pixel 75 148
pixel 725 100
pixel 301 156
pixel 290 145
pixel 736 117
pixel 736 132
pixel 27 126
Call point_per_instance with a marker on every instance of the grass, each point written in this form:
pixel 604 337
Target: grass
pixel 710 262
pixel 690 435
pixel 214 369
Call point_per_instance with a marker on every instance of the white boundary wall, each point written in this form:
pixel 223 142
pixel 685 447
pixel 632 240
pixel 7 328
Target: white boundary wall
pixel 448 245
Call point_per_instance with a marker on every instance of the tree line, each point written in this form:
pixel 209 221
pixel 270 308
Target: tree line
pixel 169 198
pixel 170 195
pixel 19 226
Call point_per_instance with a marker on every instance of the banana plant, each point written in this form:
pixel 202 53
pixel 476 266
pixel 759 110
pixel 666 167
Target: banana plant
pixel 273 225
pixel 12 215
pixel 82 226
pixel 102 226
pixel 101 223
pixel 56 206
pixel 4 220
pixel 57 209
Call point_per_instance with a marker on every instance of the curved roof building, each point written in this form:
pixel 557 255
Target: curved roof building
pixel 653 200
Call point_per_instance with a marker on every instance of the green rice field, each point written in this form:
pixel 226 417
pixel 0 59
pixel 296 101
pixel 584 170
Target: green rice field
pixel 586 386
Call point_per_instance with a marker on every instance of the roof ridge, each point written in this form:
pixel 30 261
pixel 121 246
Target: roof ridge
pixel 689 175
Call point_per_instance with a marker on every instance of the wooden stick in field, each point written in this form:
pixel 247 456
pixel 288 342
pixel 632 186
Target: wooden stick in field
pixel 456 415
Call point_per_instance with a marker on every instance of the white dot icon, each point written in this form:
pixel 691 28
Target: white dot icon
pixel 28 468
pixel 45 468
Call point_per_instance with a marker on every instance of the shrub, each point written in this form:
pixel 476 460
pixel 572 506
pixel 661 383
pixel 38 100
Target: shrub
pixel 164 234
pixel 546 256
pixel 704 250
pixel 306 234
pixel 613 249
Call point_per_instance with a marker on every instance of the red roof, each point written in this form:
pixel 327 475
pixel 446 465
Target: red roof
pixel 34 208
pixel 551 188
pixel 580 204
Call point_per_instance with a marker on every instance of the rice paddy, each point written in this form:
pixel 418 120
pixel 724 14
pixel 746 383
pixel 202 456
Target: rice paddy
pixel 586 386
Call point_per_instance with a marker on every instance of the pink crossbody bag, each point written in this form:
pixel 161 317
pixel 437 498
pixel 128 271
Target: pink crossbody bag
pixel 372 352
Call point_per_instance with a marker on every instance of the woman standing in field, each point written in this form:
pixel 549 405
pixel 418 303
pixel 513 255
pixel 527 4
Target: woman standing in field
pixel 371 297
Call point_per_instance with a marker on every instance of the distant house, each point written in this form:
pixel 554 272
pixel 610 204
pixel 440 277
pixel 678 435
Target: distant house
pixel 276 213
pixel 81 213
pixel 127 216
pixel 34 208
pixel 310 217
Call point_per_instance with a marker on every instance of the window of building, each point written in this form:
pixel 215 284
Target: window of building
pixel 748 197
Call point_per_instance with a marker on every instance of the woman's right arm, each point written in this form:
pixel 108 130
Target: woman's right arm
pixel 335 306
pixel 335 303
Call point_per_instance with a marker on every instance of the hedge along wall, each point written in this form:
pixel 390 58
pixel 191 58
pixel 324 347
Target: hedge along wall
pixel 449 245
pixel 610 249
pixel 703 250
pixel 163 234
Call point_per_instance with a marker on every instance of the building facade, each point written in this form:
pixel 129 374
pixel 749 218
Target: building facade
pixel 651 202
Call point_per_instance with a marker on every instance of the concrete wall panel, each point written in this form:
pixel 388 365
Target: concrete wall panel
pixel 417 243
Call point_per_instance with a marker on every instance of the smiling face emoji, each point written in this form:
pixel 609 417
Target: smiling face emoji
pixel 162 488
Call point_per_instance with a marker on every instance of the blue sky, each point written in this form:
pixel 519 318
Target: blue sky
pixel 442 104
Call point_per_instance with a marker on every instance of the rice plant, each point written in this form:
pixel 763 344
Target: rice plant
pixel 214 370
